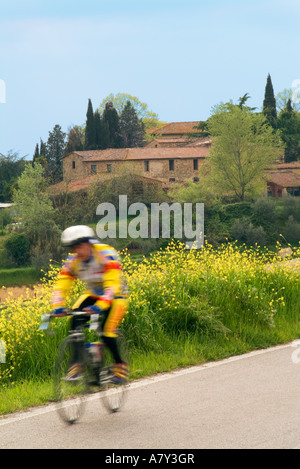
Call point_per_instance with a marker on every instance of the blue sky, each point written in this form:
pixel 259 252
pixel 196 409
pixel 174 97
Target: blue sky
pixel 180 57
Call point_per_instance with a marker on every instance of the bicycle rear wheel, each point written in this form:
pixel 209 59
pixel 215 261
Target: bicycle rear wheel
pixel 113 395
pixel 70 394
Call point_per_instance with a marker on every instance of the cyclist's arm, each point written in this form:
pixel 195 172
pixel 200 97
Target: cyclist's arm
pixel 111 284
pixel 62 286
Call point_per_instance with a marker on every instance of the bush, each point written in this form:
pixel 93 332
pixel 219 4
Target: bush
pixel 243 231
pixel 18 247
pixel 291 231
pixel 264 212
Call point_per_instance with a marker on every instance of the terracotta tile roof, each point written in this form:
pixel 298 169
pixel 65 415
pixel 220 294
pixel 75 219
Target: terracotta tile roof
pixel 145 153
pixel 291 165
pixel 284 178
pixel 87 181
pixel 176 128
pixel 183 141
pixel 73 185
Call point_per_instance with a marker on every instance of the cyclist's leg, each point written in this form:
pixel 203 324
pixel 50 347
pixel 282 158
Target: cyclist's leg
pixel 112 320
pixel 76 322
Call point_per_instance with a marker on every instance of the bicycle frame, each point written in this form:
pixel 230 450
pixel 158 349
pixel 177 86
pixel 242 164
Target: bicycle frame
pixel 96 376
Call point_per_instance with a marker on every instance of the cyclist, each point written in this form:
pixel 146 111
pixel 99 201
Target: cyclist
pixel 97 265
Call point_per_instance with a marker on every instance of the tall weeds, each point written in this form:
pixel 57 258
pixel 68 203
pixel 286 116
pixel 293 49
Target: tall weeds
pixel 176 295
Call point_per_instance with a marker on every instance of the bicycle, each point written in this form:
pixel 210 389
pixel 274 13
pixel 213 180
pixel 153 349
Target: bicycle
pixel 96 373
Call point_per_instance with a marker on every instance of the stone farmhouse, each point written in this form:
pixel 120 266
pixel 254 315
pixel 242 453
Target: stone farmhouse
pixel 173 155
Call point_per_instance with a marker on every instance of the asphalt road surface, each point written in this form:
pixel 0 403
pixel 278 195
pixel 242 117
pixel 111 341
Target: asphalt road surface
pixel 250 401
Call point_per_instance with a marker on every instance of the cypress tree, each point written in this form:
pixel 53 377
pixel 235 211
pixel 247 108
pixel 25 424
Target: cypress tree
pixel 289 125
pixel 36 154
pixel 98 131
pixel 110 116
pixel 269 104
pixel 55 150
pixel 43 149
pixel 90 130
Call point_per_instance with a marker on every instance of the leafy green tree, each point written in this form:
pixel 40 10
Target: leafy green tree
pixel 289 125
pixel 284 96
pixel 34 208
pixel 90 130
pixel 131 127
pixel 18 247
pixel 149 118
pixel 119 101
pixel 54 154
pixel 269 104
pixel 75 139
pixel 11 167
pixel 244 145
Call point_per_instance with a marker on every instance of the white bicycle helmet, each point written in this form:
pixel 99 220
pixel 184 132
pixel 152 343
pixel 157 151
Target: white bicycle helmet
pixel 76 235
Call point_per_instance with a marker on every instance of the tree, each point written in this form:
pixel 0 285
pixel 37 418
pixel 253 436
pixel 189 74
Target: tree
pixel 34 208
pixel 111 118
pixel 39 155
pixel 11 166
pixel 284 96
pixel 18 247
pixel 90 130
pixel 289 125
pixel 131 127
pixel 149 118
pixel 36 154
pixel 243 147
pixel 120 100
pixel 102 132
pixel 54 153
pixel 269 104
pixel 75 139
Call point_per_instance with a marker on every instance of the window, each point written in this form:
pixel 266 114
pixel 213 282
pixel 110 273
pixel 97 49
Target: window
pixel 93 168
pixel 195 164
pixel 294 191
pixel 171 179
pixel 73 164
pixel 171 165
pixel 109 168
pixel 146 166
pixel 196 179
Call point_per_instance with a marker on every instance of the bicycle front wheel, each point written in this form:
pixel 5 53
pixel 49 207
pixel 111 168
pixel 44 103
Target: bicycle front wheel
pixel 113 395
pixel 70 393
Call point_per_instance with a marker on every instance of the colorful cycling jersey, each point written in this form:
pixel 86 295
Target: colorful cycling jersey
pixel 102 274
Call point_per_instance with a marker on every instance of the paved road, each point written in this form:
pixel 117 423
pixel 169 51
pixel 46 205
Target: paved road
pixel 251 401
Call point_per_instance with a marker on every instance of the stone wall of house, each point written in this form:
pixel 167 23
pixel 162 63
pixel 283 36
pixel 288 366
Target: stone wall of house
pixel 73 168
pixel 179 170
pixel 76 167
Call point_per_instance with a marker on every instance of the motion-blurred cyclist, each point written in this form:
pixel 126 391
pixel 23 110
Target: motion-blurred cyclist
pixel 97 265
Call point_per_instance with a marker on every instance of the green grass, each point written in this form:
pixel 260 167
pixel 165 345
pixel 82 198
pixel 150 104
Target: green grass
pixel 19 276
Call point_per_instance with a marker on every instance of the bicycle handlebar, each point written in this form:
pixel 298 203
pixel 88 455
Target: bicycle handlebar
pixel 45 318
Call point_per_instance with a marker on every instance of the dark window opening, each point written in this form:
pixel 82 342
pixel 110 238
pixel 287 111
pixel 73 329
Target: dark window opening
pixel 171 165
